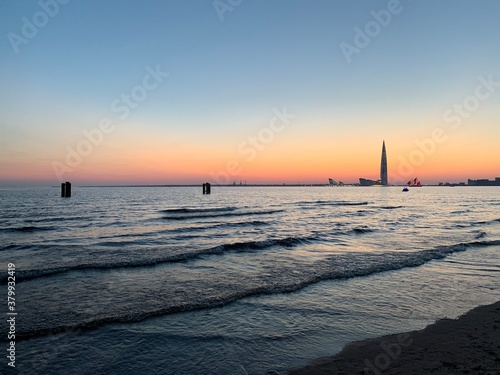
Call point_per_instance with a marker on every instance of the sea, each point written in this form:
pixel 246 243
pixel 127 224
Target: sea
pixel 246 280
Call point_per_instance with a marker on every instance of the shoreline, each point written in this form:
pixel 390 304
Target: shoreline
pixel 468 344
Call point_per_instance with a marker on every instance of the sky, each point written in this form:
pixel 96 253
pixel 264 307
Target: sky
pixel 222 91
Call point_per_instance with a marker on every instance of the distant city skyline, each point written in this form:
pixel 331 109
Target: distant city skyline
pixel 289 91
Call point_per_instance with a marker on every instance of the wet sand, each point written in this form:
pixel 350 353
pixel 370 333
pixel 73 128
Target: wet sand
pixel 467 345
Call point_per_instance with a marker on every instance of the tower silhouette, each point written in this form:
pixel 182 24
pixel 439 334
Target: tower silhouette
pixel 383 166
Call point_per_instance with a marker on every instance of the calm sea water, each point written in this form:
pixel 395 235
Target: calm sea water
pixel 243 281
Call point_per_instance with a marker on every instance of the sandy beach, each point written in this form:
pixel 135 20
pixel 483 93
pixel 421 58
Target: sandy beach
pixel 467 345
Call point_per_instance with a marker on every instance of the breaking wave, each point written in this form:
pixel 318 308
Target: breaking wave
pixel 290 279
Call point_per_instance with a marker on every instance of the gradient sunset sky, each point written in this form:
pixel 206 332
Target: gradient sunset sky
pixel 280 91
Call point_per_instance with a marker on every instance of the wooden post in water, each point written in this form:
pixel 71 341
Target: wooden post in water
pixel 206 188
pixel 66 190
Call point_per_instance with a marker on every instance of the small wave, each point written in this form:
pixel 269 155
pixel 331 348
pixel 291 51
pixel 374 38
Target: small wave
pixel 197 210
pixel 191 216
pixel 10 246
pixel 362 230
pixel 58 218
pixel 257 223
pixel 342 203
pixel 118 243
pixel 483 243
pixel 333 203
pixel 390 207
pixel 494 221
pixel 480 235
pixel 29 229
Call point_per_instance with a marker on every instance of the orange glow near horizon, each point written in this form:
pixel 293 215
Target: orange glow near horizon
pixel 295 156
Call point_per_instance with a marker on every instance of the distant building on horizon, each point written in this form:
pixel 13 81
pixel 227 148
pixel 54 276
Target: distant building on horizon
pixel 484 182
pixel 384 179
pixel 383 166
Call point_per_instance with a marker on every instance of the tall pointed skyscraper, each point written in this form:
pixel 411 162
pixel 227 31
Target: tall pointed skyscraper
pixel 383 167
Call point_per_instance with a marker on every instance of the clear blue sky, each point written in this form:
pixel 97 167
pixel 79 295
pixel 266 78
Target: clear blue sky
pixel 226 77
